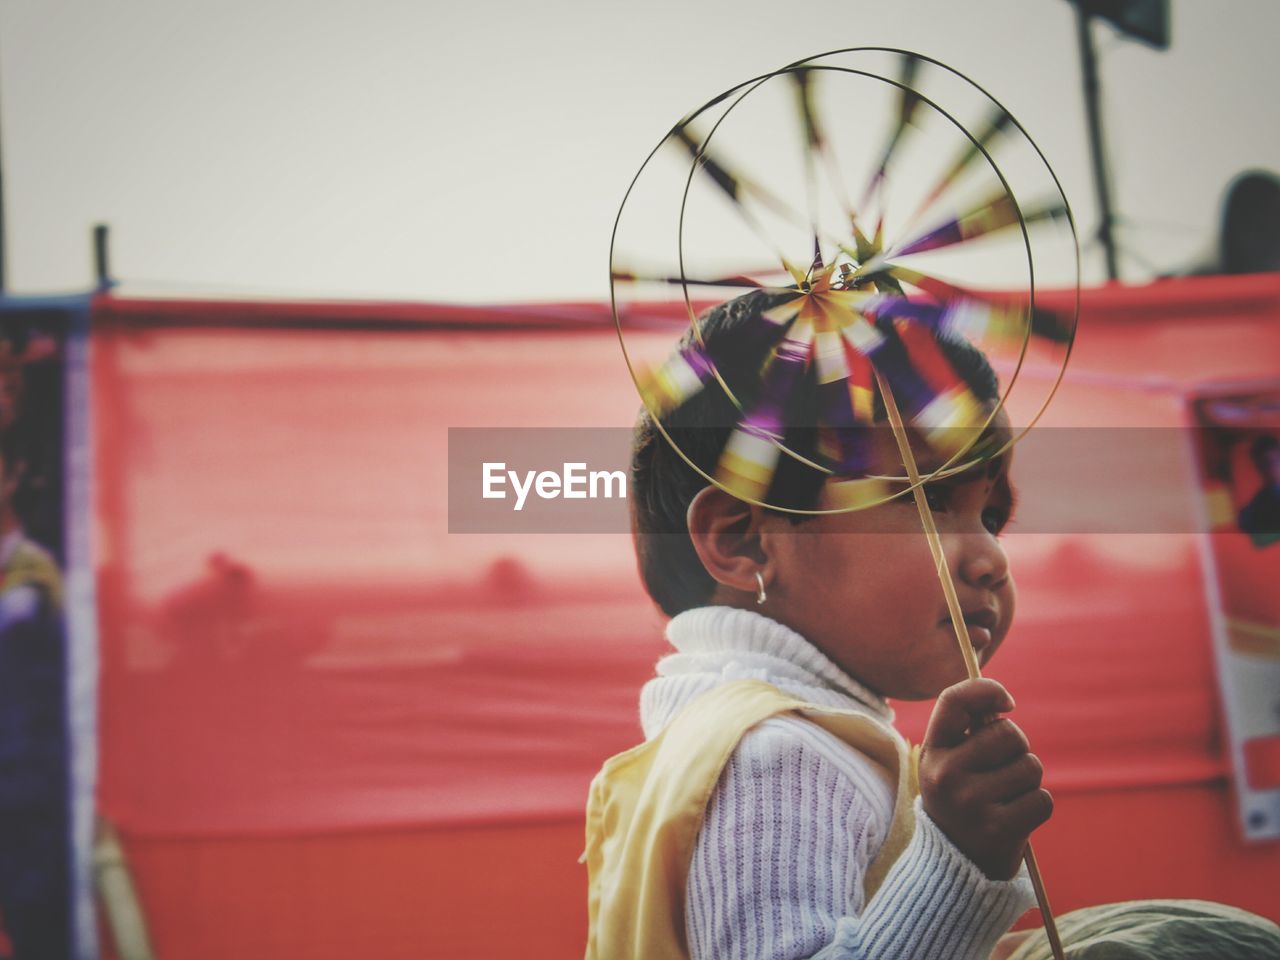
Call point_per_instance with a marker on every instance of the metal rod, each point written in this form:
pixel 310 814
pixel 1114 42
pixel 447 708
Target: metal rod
pixel 1089 73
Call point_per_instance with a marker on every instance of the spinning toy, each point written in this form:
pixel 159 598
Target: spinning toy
pixel 958 218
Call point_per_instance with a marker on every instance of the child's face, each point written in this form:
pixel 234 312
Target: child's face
pixel 862 587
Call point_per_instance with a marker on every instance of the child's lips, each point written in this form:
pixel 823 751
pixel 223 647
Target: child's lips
pixel 980 624
pixel 980 637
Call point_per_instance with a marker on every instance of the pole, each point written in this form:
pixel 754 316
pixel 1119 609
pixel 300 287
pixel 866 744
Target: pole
pixel 4 251
pixel 1089 72
pixel 101 263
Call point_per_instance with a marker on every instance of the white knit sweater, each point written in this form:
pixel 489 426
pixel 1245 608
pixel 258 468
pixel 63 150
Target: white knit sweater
pixel 797 817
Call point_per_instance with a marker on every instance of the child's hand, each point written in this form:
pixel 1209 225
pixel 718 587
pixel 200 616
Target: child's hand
pixel 979 780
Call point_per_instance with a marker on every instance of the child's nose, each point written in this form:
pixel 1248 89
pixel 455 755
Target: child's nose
pixel 983 563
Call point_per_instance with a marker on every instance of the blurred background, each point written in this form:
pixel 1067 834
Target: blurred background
pixel 260 696
pixel 342 149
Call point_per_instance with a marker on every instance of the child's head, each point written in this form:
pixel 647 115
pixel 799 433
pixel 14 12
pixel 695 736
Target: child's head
pixel 861 585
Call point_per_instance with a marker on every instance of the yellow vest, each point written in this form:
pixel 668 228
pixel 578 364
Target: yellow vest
pixel 646 807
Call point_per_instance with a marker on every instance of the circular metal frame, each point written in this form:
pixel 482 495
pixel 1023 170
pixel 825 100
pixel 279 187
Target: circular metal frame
pixel 950 467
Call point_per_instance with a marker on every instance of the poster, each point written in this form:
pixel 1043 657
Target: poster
pixel 1237 443
pixel 46 620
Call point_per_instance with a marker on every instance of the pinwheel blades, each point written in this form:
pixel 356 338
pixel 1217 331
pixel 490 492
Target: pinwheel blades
pixel 945 243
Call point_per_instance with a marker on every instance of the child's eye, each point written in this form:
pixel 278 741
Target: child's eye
pixel 994 519
pixel 936 498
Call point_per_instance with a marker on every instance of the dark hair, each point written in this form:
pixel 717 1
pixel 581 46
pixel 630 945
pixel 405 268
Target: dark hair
pixel 1250 241
pixel 663 483
pixel 1258 450
pixel 11 452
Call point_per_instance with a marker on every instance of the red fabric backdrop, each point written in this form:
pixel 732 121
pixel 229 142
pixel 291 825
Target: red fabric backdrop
pixel 330 728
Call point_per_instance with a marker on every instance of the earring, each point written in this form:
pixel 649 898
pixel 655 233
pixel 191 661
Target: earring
pixel 760 594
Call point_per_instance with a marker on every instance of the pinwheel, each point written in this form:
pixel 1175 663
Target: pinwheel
pixel 750 192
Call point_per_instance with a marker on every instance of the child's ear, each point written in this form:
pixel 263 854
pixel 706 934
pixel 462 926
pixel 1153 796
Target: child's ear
pixel 726 536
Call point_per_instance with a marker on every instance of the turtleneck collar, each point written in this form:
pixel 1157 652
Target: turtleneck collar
pixel 713 632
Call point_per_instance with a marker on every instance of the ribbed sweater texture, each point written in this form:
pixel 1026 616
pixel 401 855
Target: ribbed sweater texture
pixel 797 816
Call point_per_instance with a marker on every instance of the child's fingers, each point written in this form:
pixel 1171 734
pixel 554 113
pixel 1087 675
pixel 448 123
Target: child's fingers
pixel 963 707
pixel 1008 783
pixel 992 746
pixel 1023 814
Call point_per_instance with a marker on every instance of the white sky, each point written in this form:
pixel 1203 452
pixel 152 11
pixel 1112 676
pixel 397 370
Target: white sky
pixel 479 152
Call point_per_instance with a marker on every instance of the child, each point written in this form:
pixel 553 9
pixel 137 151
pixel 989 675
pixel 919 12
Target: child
pixel 774 820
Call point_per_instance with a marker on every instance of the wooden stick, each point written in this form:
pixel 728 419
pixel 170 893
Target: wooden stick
pixel 962 629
